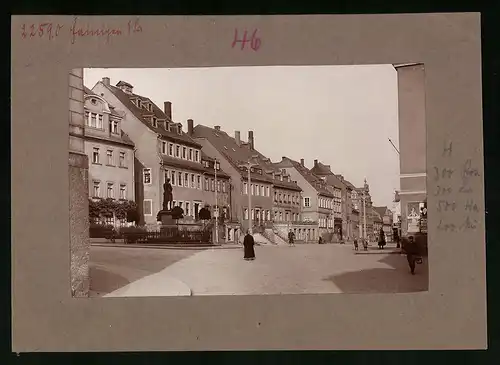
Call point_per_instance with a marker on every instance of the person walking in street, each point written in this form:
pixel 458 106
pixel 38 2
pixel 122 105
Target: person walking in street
pixel 381 239
pixel 248 247
pixel 291 238
pixel 355 244
pixel 365 244
pixel 320 240
pixel 411 249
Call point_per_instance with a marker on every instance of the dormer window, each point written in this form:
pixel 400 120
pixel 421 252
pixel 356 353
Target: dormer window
pixel 179 129
pixel 114 127
pixel 155 122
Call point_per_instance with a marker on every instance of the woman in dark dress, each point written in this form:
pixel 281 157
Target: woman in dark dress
pixel 248 243
pixel 381 239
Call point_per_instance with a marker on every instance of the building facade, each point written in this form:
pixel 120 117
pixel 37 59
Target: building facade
pixel 317 200
pixel 163 151
pixel 412 143
pixel 339 191
pixel 110 152
pixel 273 197
pixel 387 221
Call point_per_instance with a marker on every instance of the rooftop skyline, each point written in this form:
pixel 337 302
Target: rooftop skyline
pixel 342 116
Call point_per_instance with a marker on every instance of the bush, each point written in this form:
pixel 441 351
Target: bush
pixel 177 213
pixel 101 231
pixel 204 214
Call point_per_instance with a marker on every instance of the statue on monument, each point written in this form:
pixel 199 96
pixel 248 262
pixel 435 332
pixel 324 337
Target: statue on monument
pixel 167 195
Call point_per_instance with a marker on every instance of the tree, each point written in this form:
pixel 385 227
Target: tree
pixel 109 207
pixel 204 214
pixel 177 213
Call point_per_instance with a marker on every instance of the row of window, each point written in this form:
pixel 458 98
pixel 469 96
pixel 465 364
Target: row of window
pixel 179 151
pixel 326 222
pixel 190 209
pixel 187 180
pixel 96 120
pixel 110 192
pixel 287 198
pixel 258 190
pixel 265 215
pixel 110 157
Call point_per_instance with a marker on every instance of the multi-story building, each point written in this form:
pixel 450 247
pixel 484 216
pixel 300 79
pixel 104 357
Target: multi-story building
pixel 339 191
pixel 163 151
pixel 412 144
pixel 274 197
pixel 350 217
pixel 387 221
pixel 377 223
pixel 110 152
pixel 317 200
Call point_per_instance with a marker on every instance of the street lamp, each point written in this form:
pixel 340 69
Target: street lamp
pixel 248 166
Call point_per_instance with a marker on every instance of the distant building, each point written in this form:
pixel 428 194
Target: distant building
pixel 340 201
pixel 110 152
pixel 163 151
pixel 275 198
pixel 317 200
pixel 387 221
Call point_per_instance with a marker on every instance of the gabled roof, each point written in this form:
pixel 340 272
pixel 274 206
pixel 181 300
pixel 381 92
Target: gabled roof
pixel 175 162
pixel 349 184
pixel 313 179
pixel 240 154
pixel 332 179
pixel 140 114
pixel 87 91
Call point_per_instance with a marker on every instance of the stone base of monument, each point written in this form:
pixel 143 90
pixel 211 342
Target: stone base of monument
pixel 165 217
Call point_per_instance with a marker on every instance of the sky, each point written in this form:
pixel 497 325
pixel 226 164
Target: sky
pixel 342 116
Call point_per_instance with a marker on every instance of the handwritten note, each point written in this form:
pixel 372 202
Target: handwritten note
pixel 452 200
pixel 253 41
pixel 79 30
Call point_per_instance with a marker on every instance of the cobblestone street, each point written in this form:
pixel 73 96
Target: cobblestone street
pixel 276 270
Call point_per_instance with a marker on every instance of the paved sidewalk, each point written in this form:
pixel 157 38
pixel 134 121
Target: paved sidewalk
pixel 285 270
pixel 156 285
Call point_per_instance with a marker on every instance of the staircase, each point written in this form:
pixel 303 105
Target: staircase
pixel 273 237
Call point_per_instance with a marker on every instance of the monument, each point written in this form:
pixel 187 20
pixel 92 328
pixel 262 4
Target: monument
pixel 165 214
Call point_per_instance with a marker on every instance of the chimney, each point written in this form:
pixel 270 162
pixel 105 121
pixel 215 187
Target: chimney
pixel 302 161
pixel 106 81
pixel 237 137
pixel 167 108
pixel 315 163
pixel 250 139
pixel 217 128
pixel 190 127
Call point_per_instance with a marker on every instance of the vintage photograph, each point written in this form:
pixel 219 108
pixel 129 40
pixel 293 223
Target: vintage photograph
pixel 248 180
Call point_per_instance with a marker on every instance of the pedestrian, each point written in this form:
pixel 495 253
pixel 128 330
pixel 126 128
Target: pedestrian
pixel 248 247
pixel 291 238
pixel 355 244
pixel 412 251
pixel 320 240
pixel 381 239
pixel 365 244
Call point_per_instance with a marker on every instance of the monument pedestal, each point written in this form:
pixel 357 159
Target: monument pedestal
pixel 165 217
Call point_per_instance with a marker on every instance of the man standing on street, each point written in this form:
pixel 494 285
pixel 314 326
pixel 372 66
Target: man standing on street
pixel 248 247
pixel 291 238
pixel 412 253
